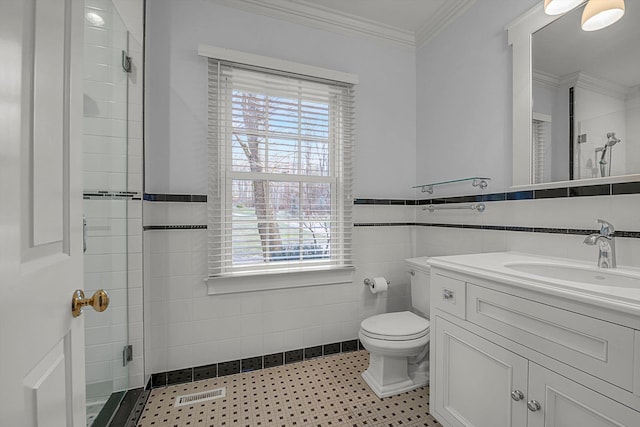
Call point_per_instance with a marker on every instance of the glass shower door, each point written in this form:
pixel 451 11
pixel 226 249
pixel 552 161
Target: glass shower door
pixel 105 208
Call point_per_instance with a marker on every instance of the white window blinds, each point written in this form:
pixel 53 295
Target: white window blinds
pixel 280 161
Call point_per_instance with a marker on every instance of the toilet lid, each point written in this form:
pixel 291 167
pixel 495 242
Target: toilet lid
pixel 395 326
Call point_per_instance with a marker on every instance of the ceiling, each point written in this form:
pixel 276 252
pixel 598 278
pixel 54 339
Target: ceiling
pixel 408 22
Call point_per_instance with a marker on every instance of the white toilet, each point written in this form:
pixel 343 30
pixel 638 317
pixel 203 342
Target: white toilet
pixel 398 343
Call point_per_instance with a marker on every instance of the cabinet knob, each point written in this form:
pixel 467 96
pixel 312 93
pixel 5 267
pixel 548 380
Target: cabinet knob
pixel 533 405
pixel 517 395
pixel 447 294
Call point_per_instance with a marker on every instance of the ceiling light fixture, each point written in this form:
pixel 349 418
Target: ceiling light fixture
pixel 599 14
pixel 558 7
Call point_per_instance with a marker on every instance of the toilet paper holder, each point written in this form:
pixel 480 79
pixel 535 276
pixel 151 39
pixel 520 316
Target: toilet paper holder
pixel 369 282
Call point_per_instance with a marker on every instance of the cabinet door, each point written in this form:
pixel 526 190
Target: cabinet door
pixel 564 403
pixel 473 380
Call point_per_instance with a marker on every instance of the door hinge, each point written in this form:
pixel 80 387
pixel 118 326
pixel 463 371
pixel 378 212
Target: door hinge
pixel 127 354
pixel 126 62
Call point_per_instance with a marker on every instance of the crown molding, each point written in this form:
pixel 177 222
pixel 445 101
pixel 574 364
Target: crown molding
pixel 446 14
pixel 596 84
pixel 312 15
pixel 546 79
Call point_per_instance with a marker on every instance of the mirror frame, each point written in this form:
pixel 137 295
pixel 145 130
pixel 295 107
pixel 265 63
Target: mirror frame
pixel 520 38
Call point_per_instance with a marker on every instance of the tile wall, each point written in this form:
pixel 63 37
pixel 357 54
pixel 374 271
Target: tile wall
pixel 553 224
pixel 186 327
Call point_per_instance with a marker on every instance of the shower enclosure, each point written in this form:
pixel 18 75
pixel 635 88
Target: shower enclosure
pixel 112 208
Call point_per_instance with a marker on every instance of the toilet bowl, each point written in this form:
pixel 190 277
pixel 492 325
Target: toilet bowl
pixel 398 342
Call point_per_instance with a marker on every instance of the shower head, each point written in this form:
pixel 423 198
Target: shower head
pixel 611 139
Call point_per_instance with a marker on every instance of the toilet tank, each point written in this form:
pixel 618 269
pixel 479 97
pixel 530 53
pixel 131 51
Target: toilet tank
pixel 420 274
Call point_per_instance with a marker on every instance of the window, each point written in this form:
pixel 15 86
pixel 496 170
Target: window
pixel 280 148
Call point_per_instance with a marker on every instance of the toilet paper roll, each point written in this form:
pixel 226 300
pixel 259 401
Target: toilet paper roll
pixel 379 284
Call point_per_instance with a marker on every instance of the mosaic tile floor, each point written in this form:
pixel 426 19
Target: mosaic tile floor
pixel 327 391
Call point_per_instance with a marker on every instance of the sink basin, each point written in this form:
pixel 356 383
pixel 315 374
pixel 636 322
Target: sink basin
pixel 592 276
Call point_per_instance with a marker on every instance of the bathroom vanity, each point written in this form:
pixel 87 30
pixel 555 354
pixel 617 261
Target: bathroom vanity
pixel 521 340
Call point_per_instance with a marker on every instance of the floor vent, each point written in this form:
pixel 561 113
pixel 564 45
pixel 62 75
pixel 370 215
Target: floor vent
pixel 203 396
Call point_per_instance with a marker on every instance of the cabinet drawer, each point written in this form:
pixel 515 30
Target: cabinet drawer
pixel 448 294
pixel 603 349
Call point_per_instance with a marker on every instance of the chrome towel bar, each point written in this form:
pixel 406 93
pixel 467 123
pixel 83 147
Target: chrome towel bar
pixel 480 207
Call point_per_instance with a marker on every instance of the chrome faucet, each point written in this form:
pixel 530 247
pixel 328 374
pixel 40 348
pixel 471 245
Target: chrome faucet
pixel 606 241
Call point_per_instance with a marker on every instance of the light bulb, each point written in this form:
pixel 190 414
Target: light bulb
pixel 558 7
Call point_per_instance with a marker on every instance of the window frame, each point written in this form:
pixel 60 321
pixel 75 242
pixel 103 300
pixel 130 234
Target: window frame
pixel 284 274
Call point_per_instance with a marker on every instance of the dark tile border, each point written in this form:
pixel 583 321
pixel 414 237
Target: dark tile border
pixel 313 352
pixel 574 231
pixel 347 346
pixel 205 372
pixel 174 227
pixel 334 348
pixel 625 188
pixel 251 364
pixel 387 202
pixel 111 195
pixel 561 192
pixel 549 193
pixel 183 198
pixel 293 356
pixel 181 376
pixel 229 368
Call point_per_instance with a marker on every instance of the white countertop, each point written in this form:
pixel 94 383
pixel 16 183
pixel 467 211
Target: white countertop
pixel 494 266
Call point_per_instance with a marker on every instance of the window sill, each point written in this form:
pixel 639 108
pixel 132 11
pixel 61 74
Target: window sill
pixel 264 281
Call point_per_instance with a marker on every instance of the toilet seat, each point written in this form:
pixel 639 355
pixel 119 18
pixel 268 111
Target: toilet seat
pixel 400 326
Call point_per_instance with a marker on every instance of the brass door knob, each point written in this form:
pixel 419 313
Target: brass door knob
pixel 99 301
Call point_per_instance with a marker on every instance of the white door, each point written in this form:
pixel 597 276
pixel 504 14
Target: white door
pixel 565 403
pixel 41 344
pixel 476 383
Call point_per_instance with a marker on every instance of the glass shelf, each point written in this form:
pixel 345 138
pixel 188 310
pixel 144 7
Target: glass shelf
pixel 476 181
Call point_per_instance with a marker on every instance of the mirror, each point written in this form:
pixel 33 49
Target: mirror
pixel 576 98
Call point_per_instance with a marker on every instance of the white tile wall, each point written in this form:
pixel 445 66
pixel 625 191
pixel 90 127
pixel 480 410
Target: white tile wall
pixel 186 327
pixel 574 212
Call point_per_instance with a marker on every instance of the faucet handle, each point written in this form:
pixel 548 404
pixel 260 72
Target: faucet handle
pixel 606 228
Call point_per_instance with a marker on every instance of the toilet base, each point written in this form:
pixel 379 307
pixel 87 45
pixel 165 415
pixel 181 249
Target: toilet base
pixel 388 376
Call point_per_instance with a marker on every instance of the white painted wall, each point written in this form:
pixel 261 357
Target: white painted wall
pixel 185 327
pixel 464 98
pixel 176 103
pixel 633 131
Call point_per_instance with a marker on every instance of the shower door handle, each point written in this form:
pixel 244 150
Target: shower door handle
pixel 99 301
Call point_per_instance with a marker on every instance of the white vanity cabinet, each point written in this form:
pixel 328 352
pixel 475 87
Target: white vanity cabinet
pixel 505 356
